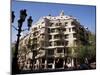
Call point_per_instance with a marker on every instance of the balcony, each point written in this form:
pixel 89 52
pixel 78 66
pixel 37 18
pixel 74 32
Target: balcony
pixel 59 55
pixel 52 27
pixel 74 29
pixel 66 36
pixel 42 30
pixel 57 39
pixel 56 31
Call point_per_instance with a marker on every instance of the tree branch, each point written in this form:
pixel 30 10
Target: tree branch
pixel 14 27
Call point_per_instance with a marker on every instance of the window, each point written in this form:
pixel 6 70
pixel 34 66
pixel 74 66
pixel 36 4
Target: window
pixel 82 29
pixel 66 43
pixel 57 43
pixel 64 29
pixel 43 66
pixel 48 30
pixel 59 50
pixel 57 30
pixel 42 22
pixel 56 36
pixel 49 66
pixel 73 23
pixel 42 36
pixel 60 23
pixel 73 29
pixel 69 29
pixel 75 42
pixel 57 24
pixel 42 43
pixel 35 34
pixel 66 23
pixel 74 35
pixel 66 50
pixel 50 52
pixel 50 43
pixel 35 28
pixel 35 41
pixel 49 60
pixel 50 37
pixel 52 30
pixel 66 36
pixel 39 26
pixel 54 18
pixel 51 24
pixel 43 60
pixel 42 30
pixel 34 46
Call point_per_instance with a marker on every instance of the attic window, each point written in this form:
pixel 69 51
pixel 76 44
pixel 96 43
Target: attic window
pixel 73 23
pixel 42 22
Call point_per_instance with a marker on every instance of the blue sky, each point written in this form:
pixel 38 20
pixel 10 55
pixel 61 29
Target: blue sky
pixel 84 13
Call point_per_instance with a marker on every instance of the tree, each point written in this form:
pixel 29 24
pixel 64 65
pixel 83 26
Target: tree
pixel 86 51
pixel 13 49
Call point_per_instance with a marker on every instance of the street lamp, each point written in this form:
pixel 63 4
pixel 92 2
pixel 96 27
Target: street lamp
pixel 29 22
pixel 23 14
pixel 13 17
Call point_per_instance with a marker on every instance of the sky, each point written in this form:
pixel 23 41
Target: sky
pixel 86 14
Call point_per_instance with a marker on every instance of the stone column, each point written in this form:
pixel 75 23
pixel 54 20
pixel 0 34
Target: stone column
pixel 45 64
pixel 63 63
pixel 72 62
pixel 53 66
pixel 52 41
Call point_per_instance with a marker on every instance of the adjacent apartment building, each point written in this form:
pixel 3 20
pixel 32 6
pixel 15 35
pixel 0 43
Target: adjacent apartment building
pixel 51 41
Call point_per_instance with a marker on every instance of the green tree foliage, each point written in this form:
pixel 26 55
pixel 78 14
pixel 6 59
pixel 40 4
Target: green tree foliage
pixel 86 51
pixel 92 45
pixel 13 50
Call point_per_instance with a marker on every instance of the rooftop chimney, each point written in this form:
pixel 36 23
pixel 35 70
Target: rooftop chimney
pixel 62 13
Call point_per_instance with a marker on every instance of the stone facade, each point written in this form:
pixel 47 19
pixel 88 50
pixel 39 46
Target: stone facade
pixel 51 41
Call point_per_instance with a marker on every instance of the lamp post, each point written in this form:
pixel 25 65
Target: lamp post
pixel 23 14
pixel 13 17
pixel 29 22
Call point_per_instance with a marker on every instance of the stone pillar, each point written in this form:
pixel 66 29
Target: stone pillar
pixel 72 59
pixel 63 63
pixel 45 64
pixel 52 41
pixel 72 63
pixel 53 66
pixel 40 63
pixel 37 63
